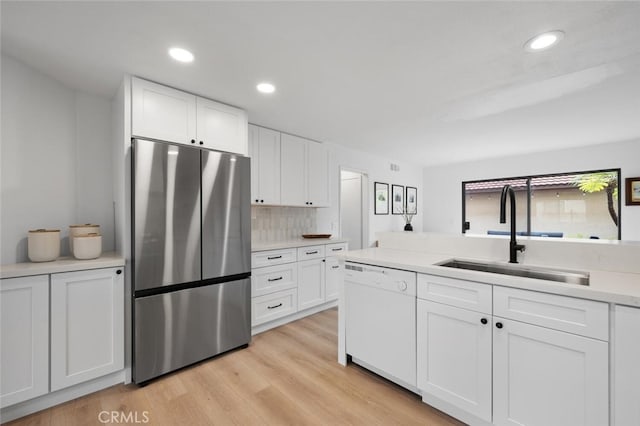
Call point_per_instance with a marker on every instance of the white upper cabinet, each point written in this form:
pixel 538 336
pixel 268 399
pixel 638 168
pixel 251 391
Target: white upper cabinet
pixel 168 114
pixel 317 174
pixel 305 172
pixel 24 338
pixel 264 149
pixel 160 112
pixel 293 174
pixel 221 127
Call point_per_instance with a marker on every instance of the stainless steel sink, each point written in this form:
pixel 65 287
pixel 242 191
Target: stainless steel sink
pixel 558 275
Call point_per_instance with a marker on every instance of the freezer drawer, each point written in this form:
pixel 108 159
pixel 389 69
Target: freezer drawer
pixel 173 330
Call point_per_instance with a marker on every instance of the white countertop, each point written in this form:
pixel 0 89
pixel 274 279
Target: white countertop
pixel 62 264
pixel 613 287
pixel 300 242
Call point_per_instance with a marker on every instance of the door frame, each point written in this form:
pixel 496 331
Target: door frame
pixel 364 208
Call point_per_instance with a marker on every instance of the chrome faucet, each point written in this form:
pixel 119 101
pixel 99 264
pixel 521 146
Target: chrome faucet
pixel 514 247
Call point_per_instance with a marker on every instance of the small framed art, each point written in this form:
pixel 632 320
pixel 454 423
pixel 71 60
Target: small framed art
pixel 411 200
pixel 381 197
pixel 397 199
pixel 632 193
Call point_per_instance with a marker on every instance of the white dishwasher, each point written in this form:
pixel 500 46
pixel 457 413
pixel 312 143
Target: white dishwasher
pixel 380 321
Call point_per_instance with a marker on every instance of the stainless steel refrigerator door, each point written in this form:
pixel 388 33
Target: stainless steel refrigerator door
pixel 175 329
pixel 166 206
pixel 226 214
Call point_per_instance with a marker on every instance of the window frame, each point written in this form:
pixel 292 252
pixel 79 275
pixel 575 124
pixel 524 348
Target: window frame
pixel 528 179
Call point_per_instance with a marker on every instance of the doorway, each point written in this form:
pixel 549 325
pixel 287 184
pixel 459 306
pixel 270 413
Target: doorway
pixel 354 218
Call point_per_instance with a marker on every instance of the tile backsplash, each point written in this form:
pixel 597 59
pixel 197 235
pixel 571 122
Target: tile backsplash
pixel 273 224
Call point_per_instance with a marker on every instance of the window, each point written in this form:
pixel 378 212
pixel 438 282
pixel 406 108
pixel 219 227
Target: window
pixel 566 205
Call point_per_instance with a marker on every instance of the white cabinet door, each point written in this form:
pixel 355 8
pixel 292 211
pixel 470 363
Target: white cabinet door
pixel 334 277
pixel 221 127
pixel 254 153
pixel 626 366
pixel 160 112
pixel 87 325
pixel 317 175
pixel 24 338
pixel 293 171
pixel 265 165
pixel 547 377
pixel 454 356
pixel 311 290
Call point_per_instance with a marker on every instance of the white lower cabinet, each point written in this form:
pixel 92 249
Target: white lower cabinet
pixel 287 281
pixel 454 356
pixel 334 276
pixel 87 325
pixel 548 377
pixel 311 283
pixel 273 306
pixel 24 338
pixel 626 371
pixel 501 370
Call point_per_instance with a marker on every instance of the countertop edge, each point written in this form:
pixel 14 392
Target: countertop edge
pixel 257 247
pixel 63 264
pixel 593 292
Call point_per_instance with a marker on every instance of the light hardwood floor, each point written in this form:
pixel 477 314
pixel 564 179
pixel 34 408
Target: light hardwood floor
pixel 287 376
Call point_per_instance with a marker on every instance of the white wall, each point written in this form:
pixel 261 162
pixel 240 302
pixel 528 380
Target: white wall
pixel 443 185
pixel 378 170
pixel 55 158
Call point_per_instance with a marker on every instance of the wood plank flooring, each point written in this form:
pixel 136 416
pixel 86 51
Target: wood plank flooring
pixel 287 376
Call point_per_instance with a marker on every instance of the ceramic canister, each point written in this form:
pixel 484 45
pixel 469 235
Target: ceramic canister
pixel 43 245
pixel 85 229
pixel 87 246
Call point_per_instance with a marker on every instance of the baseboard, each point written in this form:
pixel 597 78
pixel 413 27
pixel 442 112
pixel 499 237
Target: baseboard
pixel 31 406
pixel 453 411
pixel 298 315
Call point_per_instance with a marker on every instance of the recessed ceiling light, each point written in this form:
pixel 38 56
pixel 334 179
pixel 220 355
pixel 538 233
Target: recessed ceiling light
pixel 266 88
pixel 180 54
pixel 543 41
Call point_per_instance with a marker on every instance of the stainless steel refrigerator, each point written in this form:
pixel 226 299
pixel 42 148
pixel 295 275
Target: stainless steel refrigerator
pixel 191 254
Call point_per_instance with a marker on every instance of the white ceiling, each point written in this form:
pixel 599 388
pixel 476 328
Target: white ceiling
pixel 425 82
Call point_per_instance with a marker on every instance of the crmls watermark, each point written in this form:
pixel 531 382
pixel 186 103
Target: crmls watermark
pixel 122 417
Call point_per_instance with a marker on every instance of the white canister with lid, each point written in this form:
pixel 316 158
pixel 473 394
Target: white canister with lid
pixel 43 245
pixel 87 246
pixel 85 229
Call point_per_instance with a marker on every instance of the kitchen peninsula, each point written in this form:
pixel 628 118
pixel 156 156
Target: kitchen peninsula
pixel 493 348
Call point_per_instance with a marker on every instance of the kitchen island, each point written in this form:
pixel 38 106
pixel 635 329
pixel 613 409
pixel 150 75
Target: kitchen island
pixel 500 349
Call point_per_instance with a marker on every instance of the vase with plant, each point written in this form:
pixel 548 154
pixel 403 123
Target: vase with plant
pixel 408 217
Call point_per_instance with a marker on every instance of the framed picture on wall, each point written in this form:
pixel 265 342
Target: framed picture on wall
pixel 397 199
pixel 632 196
pixel 381 197
pixel 411 200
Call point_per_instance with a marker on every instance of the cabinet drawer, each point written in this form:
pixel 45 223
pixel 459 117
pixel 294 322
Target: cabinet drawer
pixel 578 316
pixel 272 306
pixel 273 278
pixel 273 257
pixel 336 248
pixel 310 252
pixel 461 293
